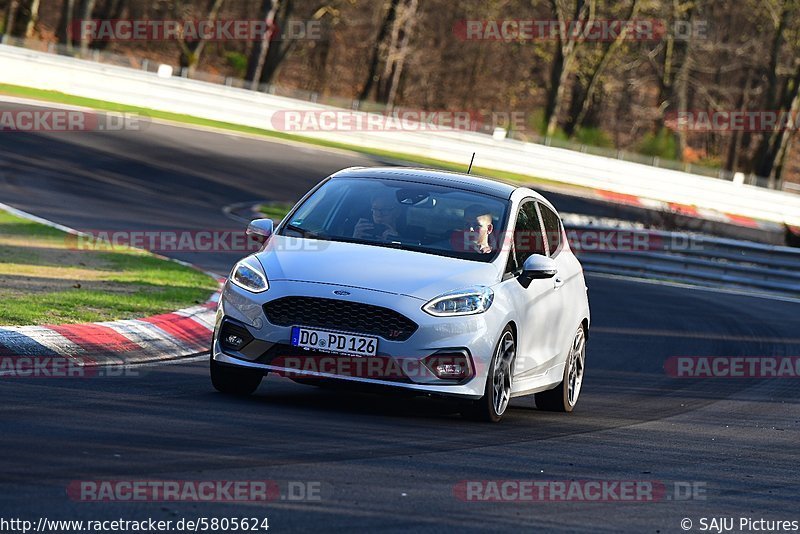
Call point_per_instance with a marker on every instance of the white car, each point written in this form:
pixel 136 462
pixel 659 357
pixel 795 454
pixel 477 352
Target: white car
pixel 431 282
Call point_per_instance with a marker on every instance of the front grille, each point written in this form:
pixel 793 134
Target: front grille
pixel 335 314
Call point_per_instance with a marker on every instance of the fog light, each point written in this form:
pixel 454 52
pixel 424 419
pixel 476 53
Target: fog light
pixel 233 336
pixel 450 370
pixel 450 365
pixel 234 341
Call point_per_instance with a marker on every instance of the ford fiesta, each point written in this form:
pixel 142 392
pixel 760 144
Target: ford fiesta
pixel 435 283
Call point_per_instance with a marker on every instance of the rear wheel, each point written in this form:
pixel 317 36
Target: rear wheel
pixel 499 380
pixel 565 396
pixel 234 380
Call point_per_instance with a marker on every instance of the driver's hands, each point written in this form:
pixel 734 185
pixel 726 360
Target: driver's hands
pixel 389 235
pixel 363 229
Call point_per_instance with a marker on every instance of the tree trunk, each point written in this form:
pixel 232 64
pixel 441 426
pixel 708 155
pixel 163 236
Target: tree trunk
pixel 258 58
pixel 771 156
pixel 65 24
pixel 398 52
pixel 735 146
pixel 674 51
pixel 556 70
pixel 111 10
pixel 11 17
pixel 191 52
pixel 30 27
pixel 276 54
pixel 566 52
pixel 682 99
pixel 597 73
pixel 87 8
pixel 674 86
pixel 773 78
pixel 375 60
pixel 558 97
pixel 768 146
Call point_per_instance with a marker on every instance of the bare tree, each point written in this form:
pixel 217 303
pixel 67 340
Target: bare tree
pixel 565 53
pixel 584 102
pixel 398 50
pixel 65 24
pixel 11 16
pixel 379 50
pixel 192 50
pixel 86 10
pixel 32 19
pixel 255 67
pixel 675 66
pixel 773 145
pixel 278 52
pixel 784 138
pixel 110 10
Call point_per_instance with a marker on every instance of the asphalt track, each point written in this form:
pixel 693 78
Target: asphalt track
pixel 385 463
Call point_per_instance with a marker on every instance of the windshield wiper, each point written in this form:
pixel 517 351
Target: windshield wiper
pixel 303 232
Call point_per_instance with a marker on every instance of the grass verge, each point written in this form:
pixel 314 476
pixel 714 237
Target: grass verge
pixel 45 278
pixel 62 98
pixel 275 211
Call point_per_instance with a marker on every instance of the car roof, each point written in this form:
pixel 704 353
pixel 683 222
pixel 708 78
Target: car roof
pixel 467 182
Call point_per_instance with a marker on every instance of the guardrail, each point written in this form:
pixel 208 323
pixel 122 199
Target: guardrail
pixel 229 104
pixel 144 64
pixel 696 259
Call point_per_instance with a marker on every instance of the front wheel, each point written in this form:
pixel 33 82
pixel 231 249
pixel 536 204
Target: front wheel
pixel 565 396
pixel 234 380
pixel 497 393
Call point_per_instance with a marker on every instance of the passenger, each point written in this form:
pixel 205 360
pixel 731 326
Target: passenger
pixel 477 228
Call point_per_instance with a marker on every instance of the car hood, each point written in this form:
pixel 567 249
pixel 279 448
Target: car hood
pixel 401 272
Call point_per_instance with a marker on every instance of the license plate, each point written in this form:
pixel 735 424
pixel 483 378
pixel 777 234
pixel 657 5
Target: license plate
pixel 335 342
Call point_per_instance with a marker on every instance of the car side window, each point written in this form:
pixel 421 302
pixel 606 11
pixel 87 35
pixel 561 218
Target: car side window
pixel 528 238
pixel 552 228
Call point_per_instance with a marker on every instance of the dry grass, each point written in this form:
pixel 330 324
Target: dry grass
pixel 46 279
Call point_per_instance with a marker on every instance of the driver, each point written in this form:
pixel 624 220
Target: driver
pixel 384 222
pixel 477 228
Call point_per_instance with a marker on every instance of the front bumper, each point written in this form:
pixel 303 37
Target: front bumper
pixel 403 362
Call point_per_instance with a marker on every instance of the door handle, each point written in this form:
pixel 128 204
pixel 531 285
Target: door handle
pixel 558 282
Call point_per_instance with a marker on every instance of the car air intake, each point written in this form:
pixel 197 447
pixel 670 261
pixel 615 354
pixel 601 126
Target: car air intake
pixel 341 315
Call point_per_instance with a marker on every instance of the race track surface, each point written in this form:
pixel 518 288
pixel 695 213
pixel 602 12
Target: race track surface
pixel 382 462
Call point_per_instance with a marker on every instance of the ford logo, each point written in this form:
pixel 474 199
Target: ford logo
pixel 341 293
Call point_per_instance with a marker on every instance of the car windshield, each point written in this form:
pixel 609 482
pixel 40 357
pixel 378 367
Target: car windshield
pixel 392 213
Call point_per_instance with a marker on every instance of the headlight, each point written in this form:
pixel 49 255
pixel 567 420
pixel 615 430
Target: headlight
pixel 249 274
pixel 462 302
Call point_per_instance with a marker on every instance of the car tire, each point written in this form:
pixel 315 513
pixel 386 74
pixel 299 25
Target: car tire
pixel 497 393
pixel 564 397
pixel 234 380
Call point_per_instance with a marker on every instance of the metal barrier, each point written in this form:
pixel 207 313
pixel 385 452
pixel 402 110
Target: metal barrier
pixel 689 258
pixel 135 87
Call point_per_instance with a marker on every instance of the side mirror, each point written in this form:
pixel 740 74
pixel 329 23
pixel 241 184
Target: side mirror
pixel 260 230
pixel 537 267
